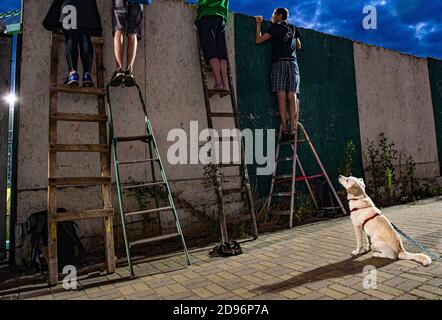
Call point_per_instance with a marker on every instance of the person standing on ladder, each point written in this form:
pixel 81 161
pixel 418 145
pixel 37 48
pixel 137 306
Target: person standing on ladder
pixel 211 24
pixel 285 76
pixel 77 35
pixel 127 18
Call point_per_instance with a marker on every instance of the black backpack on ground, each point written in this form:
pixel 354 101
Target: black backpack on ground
pixel 70 249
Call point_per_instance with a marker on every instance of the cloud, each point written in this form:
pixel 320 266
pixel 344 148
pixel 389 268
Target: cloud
pixel 410 26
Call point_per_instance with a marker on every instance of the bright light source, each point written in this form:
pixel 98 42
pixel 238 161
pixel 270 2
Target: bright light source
pixel 10 98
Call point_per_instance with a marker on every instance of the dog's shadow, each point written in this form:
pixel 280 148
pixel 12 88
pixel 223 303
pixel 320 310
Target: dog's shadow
pixel 336 270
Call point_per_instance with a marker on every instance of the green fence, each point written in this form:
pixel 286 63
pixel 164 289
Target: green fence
pixel 329 108
pixel 435 69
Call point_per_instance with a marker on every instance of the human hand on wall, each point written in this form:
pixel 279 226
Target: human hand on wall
pixel 259 19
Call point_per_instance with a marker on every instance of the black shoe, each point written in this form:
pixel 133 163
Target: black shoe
pixel 117 78
pixel 129 78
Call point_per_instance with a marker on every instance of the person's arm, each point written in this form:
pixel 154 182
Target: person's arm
pixel 298 42
pixel 261 38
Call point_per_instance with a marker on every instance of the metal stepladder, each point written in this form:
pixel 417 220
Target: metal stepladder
pixel 54 182
pixel 292 178
pixel 245 189
pixel 154 158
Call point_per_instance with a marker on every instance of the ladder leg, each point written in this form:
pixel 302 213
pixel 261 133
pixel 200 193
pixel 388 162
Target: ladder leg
pixel 293 186
pixel 149 130
pixel 318 160
pixel 278 148
pixel 246 182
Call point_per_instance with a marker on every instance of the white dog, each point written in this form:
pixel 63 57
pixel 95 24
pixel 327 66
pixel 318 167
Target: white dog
pixel 379 232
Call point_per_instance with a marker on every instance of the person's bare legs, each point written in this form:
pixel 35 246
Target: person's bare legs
pixel 119 48
pixel 224 74
pixel 294 110
pixel 216 70
pixel 132 46
pixel 282 104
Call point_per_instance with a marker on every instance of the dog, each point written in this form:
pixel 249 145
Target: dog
pixel 379 233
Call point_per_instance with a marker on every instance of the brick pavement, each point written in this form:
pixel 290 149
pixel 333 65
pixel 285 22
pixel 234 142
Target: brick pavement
pixel 307 262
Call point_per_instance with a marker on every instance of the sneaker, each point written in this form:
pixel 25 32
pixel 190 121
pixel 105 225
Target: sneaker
pixel 87 80
pixel 73 80
pixel 129 78
pixel 117 78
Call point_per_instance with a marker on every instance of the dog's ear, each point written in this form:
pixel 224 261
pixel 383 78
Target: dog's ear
pixel 362 181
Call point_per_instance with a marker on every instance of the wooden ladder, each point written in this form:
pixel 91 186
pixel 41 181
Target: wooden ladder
pixel 55 182
pixel 245 188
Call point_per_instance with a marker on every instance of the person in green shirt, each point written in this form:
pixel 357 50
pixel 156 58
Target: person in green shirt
pixel 211 23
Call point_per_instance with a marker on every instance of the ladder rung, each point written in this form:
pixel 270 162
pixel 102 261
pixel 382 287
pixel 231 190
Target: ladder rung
pixel 78 89
pixel 89 214
pixel 60 116
pixel 284 176
pixel 136 161
pixel 283 194
pixel 79 148
pixel 303 178
pixel 222 93
pixel 222 114
pixel 154 239
pixel 279 213
pixel 285 159
pixel 145 185
pixel 78 181
pixel 330 208
pixel 137 213
pixel 143 138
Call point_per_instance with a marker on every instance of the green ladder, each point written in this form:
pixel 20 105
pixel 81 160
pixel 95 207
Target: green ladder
pixel 155 158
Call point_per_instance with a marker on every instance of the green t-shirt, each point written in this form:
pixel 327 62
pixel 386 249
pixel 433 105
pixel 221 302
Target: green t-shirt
pixel 213 8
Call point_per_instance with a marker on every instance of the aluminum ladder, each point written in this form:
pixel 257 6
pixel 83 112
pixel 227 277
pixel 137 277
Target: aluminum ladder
pixel 154 160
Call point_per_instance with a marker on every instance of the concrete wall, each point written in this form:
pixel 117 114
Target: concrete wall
pixel 167 67
pixel 5 83
pixel 394 97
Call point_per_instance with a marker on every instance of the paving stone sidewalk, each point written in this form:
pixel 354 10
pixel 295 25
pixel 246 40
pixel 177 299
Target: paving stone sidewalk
pixel 307 262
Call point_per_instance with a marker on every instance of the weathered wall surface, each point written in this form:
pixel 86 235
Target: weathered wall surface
pixel 394 97
pixel 328 94
pixel 435 70
pixel 5 83
pixel 167 67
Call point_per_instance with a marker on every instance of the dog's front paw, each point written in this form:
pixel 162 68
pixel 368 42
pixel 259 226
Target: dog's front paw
pixel 357 252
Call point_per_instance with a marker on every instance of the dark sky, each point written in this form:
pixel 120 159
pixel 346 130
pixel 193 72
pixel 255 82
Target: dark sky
pixel 410 26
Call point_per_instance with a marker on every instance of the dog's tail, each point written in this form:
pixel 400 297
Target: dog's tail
pixel 418 257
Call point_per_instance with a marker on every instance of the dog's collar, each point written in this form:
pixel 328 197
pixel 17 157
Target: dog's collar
pixel 357 209
pixel 369 219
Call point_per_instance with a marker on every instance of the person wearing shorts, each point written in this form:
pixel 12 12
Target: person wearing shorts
pixel 285 76
pixel 211 23
pixel 127 18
